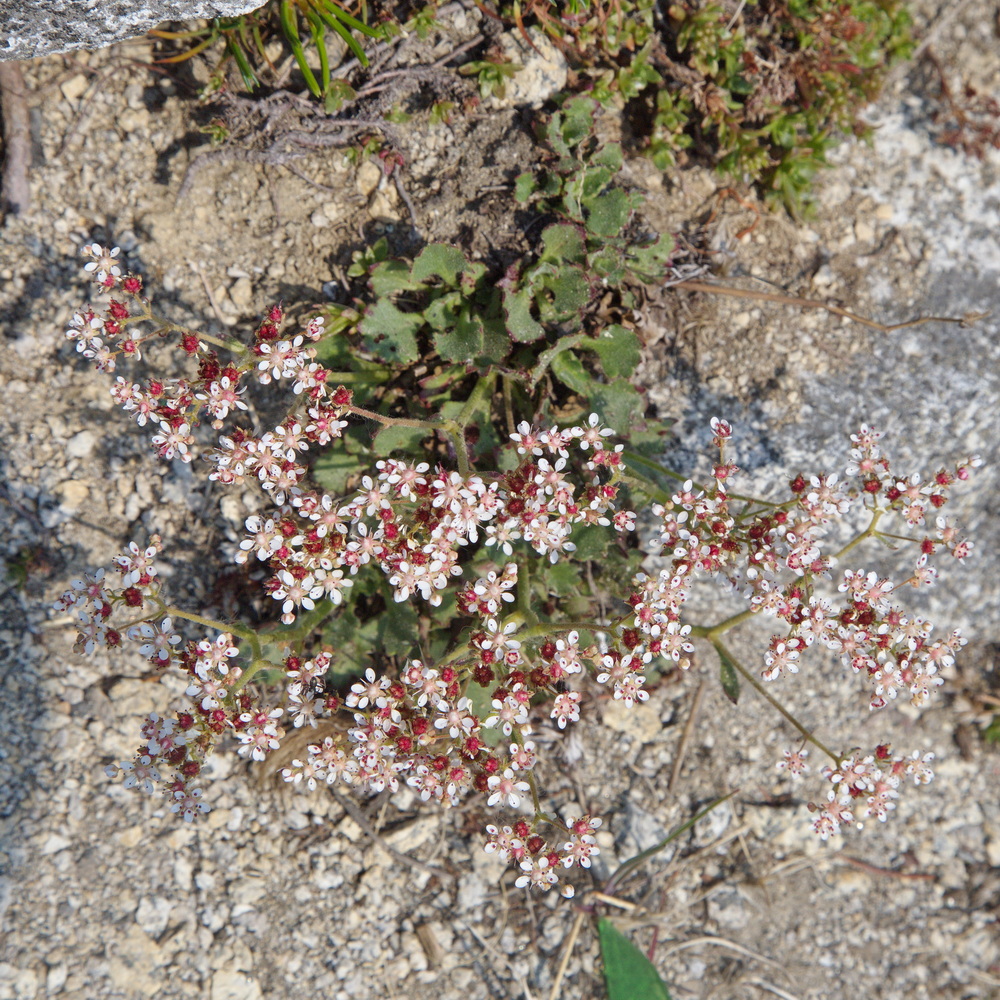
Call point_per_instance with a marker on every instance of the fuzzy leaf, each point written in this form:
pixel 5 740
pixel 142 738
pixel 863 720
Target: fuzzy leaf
pixel 591 542
pixel 335 467
pixel 392 276
pixel 568 368
pixel 562 579
pixel 560 292
pixel 443 311
pixel 608 263
pixel 577 120
pixel 545 358
pixel 619 404
pixel 618 349
pixel 629 975
pixel 391 333
pixel 496 342
pixel 461 342
pixel 563 243
pixel 524 187
pixel 609 213
pixel 438 260
pixel 390 439
pixel 523 327
pixel 649 262
pixel 609 156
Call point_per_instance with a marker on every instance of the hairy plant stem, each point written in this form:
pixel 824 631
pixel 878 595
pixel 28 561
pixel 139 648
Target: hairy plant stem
pixel 806 733
pixel 635 459
pixel 628 866
pixel 713 634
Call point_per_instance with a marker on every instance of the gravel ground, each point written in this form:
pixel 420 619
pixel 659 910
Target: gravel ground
pixel 104 895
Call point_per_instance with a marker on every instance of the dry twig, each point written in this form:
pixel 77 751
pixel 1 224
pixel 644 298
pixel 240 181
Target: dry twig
pixel 794 300
pixel 15 193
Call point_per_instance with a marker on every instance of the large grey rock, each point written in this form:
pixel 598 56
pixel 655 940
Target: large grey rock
pixel 30 28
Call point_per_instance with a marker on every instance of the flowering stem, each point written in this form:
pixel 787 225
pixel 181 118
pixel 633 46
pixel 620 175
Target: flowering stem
pixel 626 866
pixel 431 425
pixel 634 458
pixel 243 633
pixel 773 702
pixel 869 532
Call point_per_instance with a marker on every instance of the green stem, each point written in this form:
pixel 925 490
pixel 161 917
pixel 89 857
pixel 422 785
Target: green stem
pixel 627 866
pixel 430 425
pixel 772 701
pixel 634 458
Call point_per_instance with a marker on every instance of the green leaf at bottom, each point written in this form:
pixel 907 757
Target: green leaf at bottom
pixel 628 973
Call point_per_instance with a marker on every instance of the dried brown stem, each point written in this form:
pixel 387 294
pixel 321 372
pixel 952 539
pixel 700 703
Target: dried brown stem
pixel 15 193
pixel 794 300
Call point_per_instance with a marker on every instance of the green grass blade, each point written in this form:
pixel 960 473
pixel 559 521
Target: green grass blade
pixel 291 32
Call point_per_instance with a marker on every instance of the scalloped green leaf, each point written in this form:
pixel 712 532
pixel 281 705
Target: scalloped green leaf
pixel 577 119
pixel 609 213
pixel 463 341
pixel 629 975
pixel 390 439
pixel 591 542
pixel 568 368
pixel 524 187
pixel 560 292
pixel 618 348
pixel 563 244
pixel 439 260
pixel 619 404
pixel 522 326
pixel 650 262
pixel 608 263
pixel 392 334
pixel 392 276
pixel 334 468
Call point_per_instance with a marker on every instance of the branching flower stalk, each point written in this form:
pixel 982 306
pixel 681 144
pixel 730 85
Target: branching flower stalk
pixel 463 724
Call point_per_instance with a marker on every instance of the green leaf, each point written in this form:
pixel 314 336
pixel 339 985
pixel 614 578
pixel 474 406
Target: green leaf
pixel 609 214
pixel 562 579
pixel 397 628
pixel 729 677
pixel 618 349
pixel 392 276
pixel 545 358
pixel 577 120
pixel 443 311
pixel 560 293
pixel 649 262
pixel 463 341
pixel 629 975
pixel 496 342
pixel 609 156
pixel 438 260
pixel 568 368
pixel 335 467
pixel 524 187
pixel 392 334
pixel 523 327
pixel 390 439
pixel 619 404
pixel 608 264
pixel 591 541
pixel 562 243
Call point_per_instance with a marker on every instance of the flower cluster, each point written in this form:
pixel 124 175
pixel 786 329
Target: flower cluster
pixel 867 786
pixel 466 724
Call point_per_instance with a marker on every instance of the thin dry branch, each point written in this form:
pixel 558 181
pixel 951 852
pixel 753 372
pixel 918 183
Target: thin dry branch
pixel 15 192
pixel 793 300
